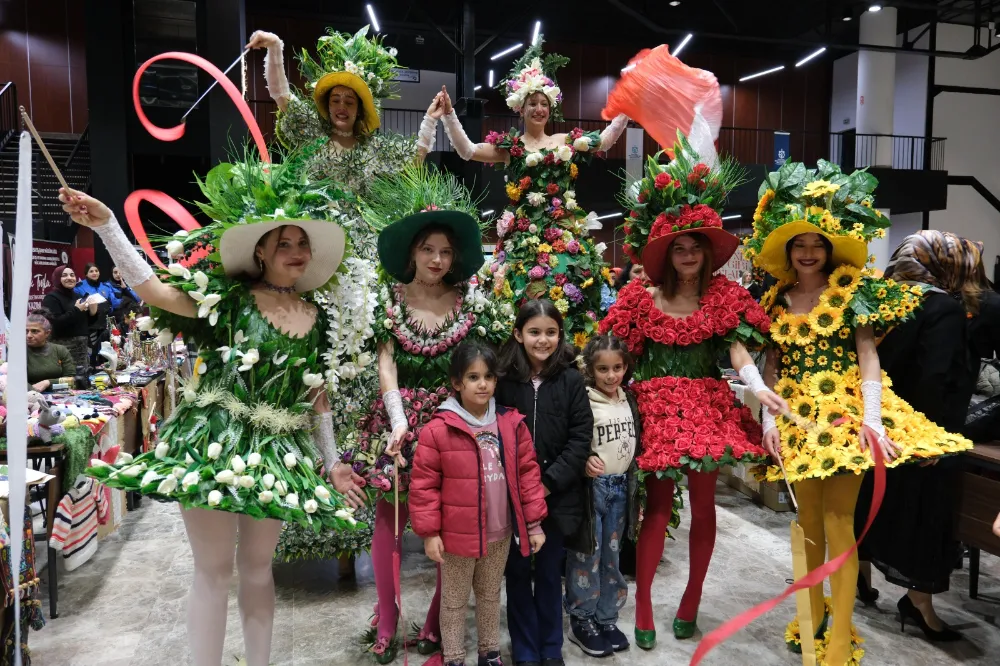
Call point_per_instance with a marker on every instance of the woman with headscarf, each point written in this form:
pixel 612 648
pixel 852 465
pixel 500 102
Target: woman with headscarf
pixel 69 315
pixel 929 362
pixel 91 289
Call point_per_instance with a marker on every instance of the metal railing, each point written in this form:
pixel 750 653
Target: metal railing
pixel 10 118
pixel 76 146
pixel 848 149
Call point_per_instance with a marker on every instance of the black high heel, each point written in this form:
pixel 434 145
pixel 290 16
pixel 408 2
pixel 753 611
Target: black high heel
pixel 908 611
pixel 867 595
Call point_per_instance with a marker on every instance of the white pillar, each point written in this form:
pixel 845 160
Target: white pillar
pixel 876 88
pixel 876 96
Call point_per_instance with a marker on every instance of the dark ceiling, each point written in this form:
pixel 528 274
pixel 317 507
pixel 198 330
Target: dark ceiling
pixel 782 30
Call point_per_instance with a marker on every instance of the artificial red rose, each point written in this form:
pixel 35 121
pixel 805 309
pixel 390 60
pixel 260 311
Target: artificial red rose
pixel 684 339
pixel 662 180
pixel 516 151
pixel 549 158
pixel 628 228
pixel 620 330
pixel 642 197
pixel 633 214
pixel 561 278
pixel 669 336
pixel 524 183
pixel 552 188
pixel 645 306
pixel 674 459
pixel 700 170
pixel 731 320
pixel 635 341
pixel 523 224
pixel 698 451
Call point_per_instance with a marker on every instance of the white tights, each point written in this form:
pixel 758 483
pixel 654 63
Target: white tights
pixel 213 538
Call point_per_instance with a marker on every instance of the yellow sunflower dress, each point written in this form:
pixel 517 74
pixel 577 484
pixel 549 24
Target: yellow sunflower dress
pixel 819 376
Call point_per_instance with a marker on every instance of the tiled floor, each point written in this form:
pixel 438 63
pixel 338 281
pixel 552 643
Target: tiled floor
pixel 126 606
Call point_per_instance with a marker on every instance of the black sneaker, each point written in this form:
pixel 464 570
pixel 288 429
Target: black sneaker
pixel 584 632
pixel 490 659
pixel 617 639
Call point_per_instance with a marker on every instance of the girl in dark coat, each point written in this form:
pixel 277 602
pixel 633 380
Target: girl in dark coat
pixel 540 381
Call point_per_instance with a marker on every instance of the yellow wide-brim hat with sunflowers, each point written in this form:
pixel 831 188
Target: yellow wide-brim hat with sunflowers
pixel 326 84
pixel 773 257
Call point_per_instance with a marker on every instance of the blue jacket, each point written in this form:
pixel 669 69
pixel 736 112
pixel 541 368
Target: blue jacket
pixel 122 292
pixel 85 289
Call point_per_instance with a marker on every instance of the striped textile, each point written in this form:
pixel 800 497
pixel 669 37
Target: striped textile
pixel 74 530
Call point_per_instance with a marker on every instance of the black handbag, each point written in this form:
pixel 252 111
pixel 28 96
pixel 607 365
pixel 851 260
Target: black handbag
pixel 982 424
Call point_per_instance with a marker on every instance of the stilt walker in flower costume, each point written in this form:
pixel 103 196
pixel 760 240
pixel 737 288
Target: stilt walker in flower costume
pixel 346 84
pixel 810 232
pixel 241 452
pixel 544 249
pixel 692 422
pixel 429 246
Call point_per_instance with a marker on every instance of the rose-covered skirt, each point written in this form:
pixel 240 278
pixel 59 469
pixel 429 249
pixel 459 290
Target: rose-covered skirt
pixel 694 423
pixel 367 455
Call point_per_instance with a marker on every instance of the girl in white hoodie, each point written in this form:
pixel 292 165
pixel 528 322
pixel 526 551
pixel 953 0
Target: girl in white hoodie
pixel 595 587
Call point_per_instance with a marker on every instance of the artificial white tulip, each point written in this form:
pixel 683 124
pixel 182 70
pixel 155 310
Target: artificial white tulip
pixel 165 338
pixel 148 478
pixel 280 487
pixel 214 450
pixel 237 464
pixel 201 280
pixel 292 499
pixel 167 486
pixel 190 479
pixel 253 459
pixel 345 514
pixel 290 460
pixel 268 481
pixel 214 498
pixel 226 477
pixel 265 497
pixel 175 248
pixel 162 449
pixel 310 506
pixel 322 493
pixel 247 481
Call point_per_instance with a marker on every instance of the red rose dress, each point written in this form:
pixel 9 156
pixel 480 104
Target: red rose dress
pixel 691 422
pixel 690 417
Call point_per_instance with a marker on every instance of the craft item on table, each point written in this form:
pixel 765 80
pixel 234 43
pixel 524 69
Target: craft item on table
pixel 74 530
pixel 28 609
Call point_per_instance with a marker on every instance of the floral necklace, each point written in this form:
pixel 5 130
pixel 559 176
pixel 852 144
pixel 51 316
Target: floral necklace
pixel 415 337
pixel 823 320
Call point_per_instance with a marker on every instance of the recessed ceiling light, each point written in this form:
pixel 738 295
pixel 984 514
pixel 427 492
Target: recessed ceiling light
pixel 477 87
pixel 674 3
pixel 875 8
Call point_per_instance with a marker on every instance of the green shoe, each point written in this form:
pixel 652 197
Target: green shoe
pixel 383 651
pixel 645 638
pixel 426 646
pixel 684 629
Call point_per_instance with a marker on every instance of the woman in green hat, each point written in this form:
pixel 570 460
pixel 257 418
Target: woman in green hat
pixel 345 85
pixel 430 246
pixel 241 452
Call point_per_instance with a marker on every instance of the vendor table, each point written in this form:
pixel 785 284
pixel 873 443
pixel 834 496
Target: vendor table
pixel 978 507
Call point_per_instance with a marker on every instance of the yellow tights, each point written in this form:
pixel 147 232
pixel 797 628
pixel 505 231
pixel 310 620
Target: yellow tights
pixel 826 515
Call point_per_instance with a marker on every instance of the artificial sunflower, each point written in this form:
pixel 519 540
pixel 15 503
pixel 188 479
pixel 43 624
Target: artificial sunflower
pixel 824 345
pixel 781 331
pixel 835 297
pixel 828 462
pixel 837 366
pixel 819 188
pixel 803 406
pixel 844 333
pixel 846 277
pixel 838 350
pixel 787 389
pixel 762 205
pixel 826 320
pixel 825 383
pixel 822 361
pixel 809 362
pixel 801 330
pixel 830 413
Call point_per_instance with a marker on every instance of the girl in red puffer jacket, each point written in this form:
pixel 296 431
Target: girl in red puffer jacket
pixel 475 485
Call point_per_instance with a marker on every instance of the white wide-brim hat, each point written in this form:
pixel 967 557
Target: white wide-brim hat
pixel 326 241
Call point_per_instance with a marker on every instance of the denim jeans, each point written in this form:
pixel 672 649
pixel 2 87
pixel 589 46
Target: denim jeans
pixel 595 587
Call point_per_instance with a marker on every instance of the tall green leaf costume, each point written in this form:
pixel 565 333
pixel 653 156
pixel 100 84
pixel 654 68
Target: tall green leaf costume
pixel 241 440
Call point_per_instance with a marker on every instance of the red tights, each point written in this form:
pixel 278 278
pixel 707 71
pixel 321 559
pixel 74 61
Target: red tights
pixel 649 550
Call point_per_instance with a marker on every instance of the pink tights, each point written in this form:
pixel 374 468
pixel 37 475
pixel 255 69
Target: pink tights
pixel 383 546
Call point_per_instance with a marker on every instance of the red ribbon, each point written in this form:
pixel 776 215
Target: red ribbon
pixel 814 577
pixel 163 201
pixel 174 133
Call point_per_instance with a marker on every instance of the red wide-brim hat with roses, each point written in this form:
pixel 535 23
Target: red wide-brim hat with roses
pixel 699 219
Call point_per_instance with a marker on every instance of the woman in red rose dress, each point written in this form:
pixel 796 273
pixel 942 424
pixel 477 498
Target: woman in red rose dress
pixel 677 328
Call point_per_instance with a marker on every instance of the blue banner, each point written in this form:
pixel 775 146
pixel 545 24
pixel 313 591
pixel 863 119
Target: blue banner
pixel 782 148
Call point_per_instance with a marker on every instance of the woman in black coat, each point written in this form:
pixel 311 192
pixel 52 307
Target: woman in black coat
pixel 932 368
pixel 70 317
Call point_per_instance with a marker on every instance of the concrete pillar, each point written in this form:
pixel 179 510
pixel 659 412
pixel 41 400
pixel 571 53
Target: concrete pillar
pixel 876 93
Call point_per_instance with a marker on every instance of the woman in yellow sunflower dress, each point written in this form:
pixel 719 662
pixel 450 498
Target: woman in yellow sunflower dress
pixel 810 232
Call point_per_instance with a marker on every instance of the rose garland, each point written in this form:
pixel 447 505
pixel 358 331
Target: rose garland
pixel 725 307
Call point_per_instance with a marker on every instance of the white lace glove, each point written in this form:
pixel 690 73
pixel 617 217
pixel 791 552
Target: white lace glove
pixel 394 408
pixel 326 441
pixel 274 72
pixel 133 268
pixel 872 394
pixel 751 377
pixel 427 133
pixel 456 134
pixel 767 420
pixel 611 133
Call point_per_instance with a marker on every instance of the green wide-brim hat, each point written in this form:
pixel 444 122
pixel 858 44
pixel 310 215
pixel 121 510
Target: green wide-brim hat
pixel 395 240
pixel 321 96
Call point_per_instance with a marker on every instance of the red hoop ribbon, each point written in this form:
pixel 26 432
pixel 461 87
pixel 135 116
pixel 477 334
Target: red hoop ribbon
pixel 161 200
pixel 174 133
pixel 814 577
pixel 164 202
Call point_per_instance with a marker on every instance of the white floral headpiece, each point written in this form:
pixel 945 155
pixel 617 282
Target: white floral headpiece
pixel 528 81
